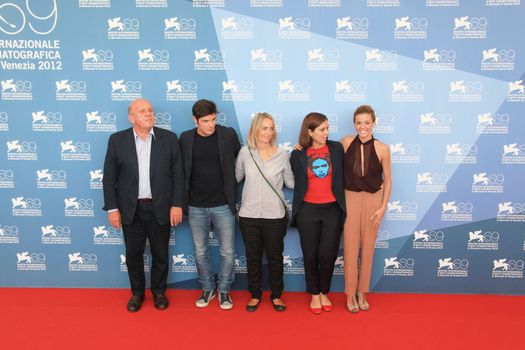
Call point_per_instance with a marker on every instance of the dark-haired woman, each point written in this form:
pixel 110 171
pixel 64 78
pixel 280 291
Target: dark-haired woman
pixel 318 206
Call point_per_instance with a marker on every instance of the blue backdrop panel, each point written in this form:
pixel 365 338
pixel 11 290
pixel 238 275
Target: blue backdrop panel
pixel 445 78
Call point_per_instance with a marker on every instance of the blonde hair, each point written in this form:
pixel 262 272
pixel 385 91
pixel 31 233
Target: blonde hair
pixel 256 125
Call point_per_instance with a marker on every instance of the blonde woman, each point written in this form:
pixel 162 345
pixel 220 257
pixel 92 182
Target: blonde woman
pixel 368 185
pixel 265 168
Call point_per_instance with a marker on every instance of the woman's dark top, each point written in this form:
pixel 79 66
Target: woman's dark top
pixel 362 169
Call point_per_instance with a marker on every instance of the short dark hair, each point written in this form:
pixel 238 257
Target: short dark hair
pixel 365 109
pixel 310 122
pixel 203 107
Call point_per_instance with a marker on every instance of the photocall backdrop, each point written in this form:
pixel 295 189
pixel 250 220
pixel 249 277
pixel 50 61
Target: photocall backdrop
pixel 444 76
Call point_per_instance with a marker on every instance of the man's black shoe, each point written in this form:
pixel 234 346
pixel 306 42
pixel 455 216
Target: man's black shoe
pixel 135 303
pixel 161 302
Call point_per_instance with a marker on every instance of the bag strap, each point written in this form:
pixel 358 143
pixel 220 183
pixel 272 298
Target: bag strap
pixel 268 182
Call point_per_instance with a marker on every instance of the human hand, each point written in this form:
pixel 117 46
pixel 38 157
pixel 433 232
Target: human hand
pixel 377 218
pixel 114 218
pixel 175 216
pixel 297 147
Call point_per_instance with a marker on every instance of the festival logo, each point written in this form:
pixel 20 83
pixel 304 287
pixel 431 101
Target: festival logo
pixel 293 91
pixel 95 179
pixel 293 265
pixel 399 267
pixel 515 93
pixel 71 90
pixel 319 59
pixel 382 240
pixel 180 28
pixel 380 60
pixel 51 179
pixel 385 123
pixel 26 261
pixel 401 211
pixel 484 182
pixel 101 60
pixel 493 123
pixel 346 91
pixel 456 211
pixel 71 150
pixel 236 28
pixel 103 235
pixel 442 60
pixel 457 153
pixel 470 28
pixel 21 150
pixel 428 239
pixel 19 90
pixel 50 121
pixel 236 90
pixel 502 2
pixel 294 28
pixel 123 28
pixel 163 120
pixel 435 123
pixel 101 122
pixel 479 240
pixel 52 234
pixel 262 59
pixel 126 90
pixel 81 207
pixel 510 212
pixel 431 182
pixel 410 28
pixel 241 264
pixel 351 28
pixel 208 59
pixel 180 263
pixel 82 262
pixel 507 268
pixel 448 267
pixel 7 178
pixel 408 91
pixel 9 234
pixel 153 59
pixel 22 206
pixel 185 90
pixel 513 153
pixel 494 59
pixel 405 153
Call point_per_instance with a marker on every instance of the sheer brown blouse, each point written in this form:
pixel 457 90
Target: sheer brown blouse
pixel 362 169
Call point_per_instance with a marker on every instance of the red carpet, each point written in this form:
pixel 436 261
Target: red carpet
pixel 97 319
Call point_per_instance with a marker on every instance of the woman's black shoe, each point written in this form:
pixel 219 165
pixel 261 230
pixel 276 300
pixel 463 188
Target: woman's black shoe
pixel 252 308
pixel 278 307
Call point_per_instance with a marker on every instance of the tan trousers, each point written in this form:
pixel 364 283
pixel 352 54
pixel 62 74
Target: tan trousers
pixel 359 234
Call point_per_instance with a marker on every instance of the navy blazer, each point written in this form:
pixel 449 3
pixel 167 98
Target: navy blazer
pixel 300 169
pixel 229 147
pixel 121 174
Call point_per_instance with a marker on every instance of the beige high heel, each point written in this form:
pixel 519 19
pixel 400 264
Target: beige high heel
pixel 361 301
pixel 352 306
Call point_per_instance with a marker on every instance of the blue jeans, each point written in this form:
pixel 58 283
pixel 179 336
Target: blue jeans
pixel 224 223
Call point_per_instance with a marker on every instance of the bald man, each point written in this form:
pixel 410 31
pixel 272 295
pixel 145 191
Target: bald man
pixel 143 193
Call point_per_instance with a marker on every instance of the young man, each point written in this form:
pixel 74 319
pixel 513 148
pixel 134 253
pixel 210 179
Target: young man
pixel 209 151
pixel 143 192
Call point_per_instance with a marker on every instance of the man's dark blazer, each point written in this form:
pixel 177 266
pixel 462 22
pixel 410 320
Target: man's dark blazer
pixel 121 174
pixel 229 147
pixel 299 165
